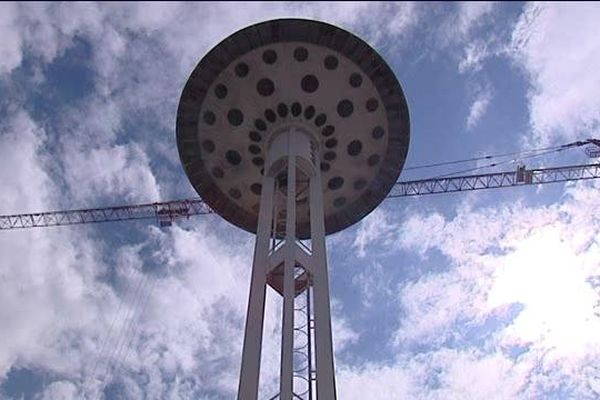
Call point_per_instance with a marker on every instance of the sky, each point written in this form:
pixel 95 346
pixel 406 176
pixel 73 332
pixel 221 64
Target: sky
pixel 478 295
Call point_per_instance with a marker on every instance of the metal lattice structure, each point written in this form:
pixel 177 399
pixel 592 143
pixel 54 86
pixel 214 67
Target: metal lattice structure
pixel 167 212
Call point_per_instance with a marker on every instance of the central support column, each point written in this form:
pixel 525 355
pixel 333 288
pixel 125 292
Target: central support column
pixel 292 156
pixel 289 290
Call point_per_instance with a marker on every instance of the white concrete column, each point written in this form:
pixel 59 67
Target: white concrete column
pixel 289 290
pixel 322 312
pixel 250 371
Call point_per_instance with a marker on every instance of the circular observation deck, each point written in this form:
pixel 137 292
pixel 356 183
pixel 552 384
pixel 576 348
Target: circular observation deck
pixel 301 72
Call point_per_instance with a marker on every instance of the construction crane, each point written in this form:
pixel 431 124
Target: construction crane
pixel 165 213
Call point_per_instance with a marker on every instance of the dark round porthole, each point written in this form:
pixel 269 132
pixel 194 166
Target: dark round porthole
pixel 372 104
pixel 331 62
pixel 331 143
pixel 309 112
pixel 270 115
pixel 260 124
pixel 255 136
pixel 265 87
pixel 208 146
pixel 374 160
pixel 354 147
pixel 269 56
pixel 235 117
pixel 378 132
pixel 335 183
pixel 258 161
pixel 309 83
pixel 296 109
pixel 320 120
pixel 328 130
pixel 242 70
pixel 254 149
pixel 329 155
pixel 221 91
pixel 345 108
pixel 209 117
pixel 282 110
pixel 233 157
pixel 301 54
pixel 355 80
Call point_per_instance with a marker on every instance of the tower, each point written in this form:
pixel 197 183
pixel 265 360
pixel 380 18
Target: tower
pixel 292 129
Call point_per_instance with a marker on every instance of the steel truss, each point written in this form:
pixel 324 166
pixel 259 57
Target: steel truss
pixel 167 212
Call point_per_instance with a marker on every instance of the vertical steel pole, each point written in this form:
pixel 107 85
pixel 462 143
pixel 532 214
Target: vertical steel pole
pixel 322 311
pixel 289 290
pixel 249 376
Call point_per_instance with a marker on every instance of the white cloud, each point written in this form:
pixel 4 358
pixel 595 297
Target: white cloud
pixel 557 45
pixel 10 46
pixel 542 259
pixel 479 106
pixel 374 229
pixel 61 390
pixel 121 172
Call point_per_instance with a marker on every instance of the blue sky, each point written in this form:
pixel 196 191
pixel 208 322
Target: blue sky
pixel 479 295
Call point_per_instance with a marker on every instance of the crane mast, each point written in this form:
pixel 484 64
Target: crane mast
pixel 167 212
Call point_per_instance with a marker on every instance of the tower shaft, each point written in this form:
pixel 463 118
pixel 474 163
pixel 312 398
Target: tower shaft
pixel 291 184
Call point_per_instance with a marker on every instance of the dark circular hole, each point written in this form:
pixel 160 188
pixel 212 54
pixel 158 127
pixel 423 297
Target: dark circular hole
pixel 309 112
pixel 354 148
pixel 320 120
pixel 233 157
pixel 209 117
pixel 345 108
pixel 221 91
pixel 355 80
pixel 328 130
pixel 265 87
pixel 208 146
pixel 300 54
pixel 282 110
pixel 256 188
pixel 309 83
pixel 254 149
pixel 373 160
pixel 339 202
pixel 296 109
pixel 260 124
pixel 331 62
pixel 331 143
pixel 269 56
pixel 242 70
pixel 325 166
pixel 329 155
pixel 255 136
pixel 218 172
pixel 258 161
pixel 372 104
pixel 235 193
pixel 335 183
pixel 270 115
pixel 378 132
pixel 360 184
pixel 235 117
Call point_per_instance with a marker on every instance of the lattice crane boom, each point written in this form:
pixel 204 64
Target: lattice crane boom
pixel 167 212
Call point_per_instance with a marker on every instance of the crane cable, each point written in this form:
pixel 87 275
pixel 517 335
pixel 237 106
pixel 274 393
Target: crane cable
pixel 492 156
